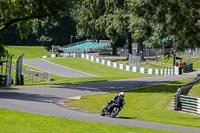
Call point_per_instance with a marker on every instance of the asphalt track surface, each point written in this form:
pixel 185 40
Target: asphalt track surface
pixel 47 100
pixel 55 68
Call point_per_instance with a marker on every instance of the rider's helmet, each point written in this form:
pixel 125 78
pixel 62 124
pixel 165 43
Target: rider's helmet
pixel 121 95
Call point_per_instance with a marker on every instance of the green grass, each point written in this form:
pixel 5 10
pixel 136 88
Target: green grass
pixel 148 104
pixel 95 68
pixel 19 122
pixel 195 91
pixel 30 51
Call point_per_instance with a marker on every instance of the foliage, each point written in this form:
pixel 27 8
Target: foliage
pixel 23 13
pixel 103 19
pixel 176 19
pixel 137 20
pixel 3 52
pixel 130 21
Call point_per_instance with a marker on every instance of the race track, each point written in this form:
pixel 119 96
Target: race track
pixel 45 100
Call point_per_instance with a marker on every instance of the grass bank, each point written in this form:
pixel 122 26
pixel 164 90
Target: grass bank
pixel 149 104
pixel 95 68
pixel 19 122
pixel 29 51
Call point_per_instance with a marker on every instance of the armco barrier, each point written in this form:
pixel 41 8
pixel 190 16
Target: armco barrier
pixel 187 103
pixel 190 104
pixel 165 71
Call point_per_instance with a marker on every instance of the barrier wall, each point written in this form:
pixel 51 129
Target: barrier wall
pixel 184 102
pixel 166 71
pixel 190 104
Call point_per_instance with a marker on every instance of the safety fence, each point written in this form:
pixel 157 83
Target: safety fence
pixel 6 80
pixel 159 64
pixel 35 74
pixel 190 104
pixel 184 102
pixel 165 71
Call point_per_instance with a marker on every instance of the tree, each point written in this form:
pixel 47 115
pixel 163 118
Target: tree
pixel 24 12
pixel 100 19
pixel 176 19
pixel 15 11
pixel 87 14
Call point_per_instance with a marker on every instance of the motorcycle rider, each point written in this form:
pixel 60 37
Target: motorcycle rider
pixel 119 97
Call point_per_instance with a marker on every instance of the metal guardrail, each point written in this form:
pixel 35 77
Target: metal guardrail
pixel 180 96
pixel 190 104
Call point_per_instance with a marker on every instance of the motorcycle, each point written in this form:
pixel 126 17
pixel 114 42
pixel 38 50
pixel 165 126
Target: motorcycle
pixel 112 109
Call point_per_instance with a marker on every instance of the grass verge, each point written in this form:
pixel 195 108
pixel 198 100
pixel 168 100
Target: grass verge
pixel 195 91
pixel 19 122
pixel 149 104
pixel 29 51
pixel 96 69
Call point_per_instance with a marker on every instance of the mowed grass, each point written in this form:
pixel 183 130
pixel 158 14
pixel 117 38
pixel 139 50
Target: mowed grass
pixel 19 122
pixel 29 51
pixel 195 91
pixel 148 104
pixel 96 69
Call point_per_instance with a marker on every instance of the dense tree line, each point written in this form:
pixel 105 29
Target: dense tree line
pixel 32 16
pixel 139 20
pixel 117 20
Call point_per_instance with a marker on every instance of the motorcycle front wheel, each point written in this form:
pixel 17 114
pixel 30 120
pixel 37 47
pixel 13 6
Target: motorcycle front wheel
pixel 103 112
pixel 114 112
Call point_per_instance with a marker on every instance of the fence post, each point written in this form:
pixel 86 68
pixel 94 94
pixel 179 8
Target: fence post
pixel 177 104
